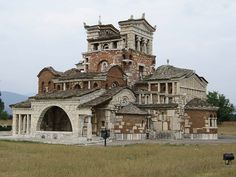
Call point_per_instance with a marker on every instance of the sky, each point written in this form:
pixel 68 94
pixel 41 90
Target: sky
pixel 193 34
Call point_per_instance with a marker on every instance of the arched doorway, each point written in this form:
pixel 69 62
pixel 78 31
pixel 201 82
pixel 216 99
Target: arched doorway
pixel 55 119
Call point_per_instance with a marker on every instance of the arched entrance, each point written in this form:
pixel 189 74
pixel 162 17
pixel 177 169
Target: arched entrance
pixel 55 119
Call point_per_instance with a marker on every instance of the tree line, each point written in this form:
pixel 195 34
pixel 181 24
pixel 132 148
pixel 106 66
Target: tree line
pixel 226 111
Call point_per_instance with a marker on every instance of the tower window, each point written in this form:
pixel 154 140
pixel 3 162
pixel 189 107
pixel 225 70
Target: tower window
pixel 95 46
pixel 141 70
pixel 105 46
pixel 114 45
pixel 103 65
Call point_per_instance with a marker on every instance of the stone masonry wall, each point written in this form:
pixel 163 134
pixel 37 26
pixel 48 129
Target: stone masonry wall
pixel 117 57
pixel 197 120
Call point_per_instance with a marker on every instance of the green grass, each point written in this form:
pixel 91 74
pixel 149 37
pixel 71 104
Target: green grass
pixel 22 159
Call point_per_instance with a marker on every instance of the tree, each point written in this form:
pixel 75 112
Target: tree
pixel 1 104
pixel 226 109
pixel 3 114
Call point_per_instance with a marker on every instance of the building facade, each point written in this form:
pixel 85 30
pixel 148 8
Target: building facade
pixel 116 86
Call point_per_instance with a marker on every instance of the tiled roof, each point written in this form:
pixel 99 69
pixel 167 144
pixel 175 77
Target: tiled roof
pixel 131 109
pixel 164 106
pixel 102 27
pixel 165 72
pixel 23 104
pixel 51 69
pixel 138 20
pixel 75 74
pixel 71 71
pixel 64 94
pixel 82 75
pixel 107 96
pixel 198 103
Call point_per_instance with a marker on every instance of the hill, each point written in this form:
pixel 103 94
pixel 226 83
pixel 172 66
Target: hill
pixel 11 98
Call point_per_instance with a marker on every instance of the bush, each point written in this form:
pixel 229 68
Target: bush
pixel 4 115
pixel 5 128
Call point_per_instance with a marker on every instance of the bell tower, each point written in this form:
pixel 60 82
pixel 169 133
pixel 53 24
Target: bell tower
pixel 130 47
pixel 139 34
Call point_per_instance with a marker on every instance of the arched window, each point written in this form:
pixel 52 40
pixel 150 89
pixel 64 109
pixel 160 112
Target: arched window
pixel 106 86
pixel 114 44
pixel 95 85
pixel 77 87
pixel 49 85
pixel 95 46
pixel 105 46
pixel 67 86
pixel 211 123
pixel 115 84
pixel 124 101
pixel 123 56
pixel 103 65
pixel 42 87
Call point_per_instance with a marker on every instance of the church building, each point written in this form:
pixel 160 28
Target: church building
pixel 117 87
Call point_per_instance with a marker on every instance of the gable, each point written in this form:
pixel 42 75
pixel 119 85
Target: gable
pixel 193 82
pixel 125 95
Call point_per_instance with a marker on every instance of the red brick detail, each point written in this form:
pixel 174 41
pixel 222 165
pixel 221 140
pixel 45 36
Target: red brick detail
pixel 45 82
pixel 117 57
pixel 130 124
pixel 197 118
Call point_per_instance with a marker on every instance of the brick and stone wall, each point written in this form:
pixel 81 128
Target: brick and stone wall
pixel 45 81
pixel 199 121
pixel 137 60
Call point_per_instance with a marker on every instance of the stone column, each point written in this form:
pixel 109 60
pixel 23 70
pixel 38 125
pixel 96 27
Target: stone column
pixel 178 89
pixel 150 47
pixel 138 43
pixel 145 99
pixel 140 98
pixel 64 86
pixel 145 45
pixel 159 88
pixel 166 88
pixel 158 99
pixel 14 124
pixel 24 124
pixel 28 125
pixel 89 84
pixel 89 128
pixel 173 88
pixel 151 100
pixel 20 124
pixel 167 100
pixel 149 87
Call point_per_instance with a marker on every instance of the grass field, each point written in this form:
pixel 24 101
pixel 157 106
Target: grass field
pixel 227 128
pixel 22 159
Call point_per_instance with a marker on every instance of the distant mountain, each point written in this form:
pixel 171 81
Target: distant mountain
pixel 11 98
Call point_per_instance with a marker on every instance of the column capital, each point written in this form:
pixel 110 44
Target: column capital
pixel 145 41
pixel 138 38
